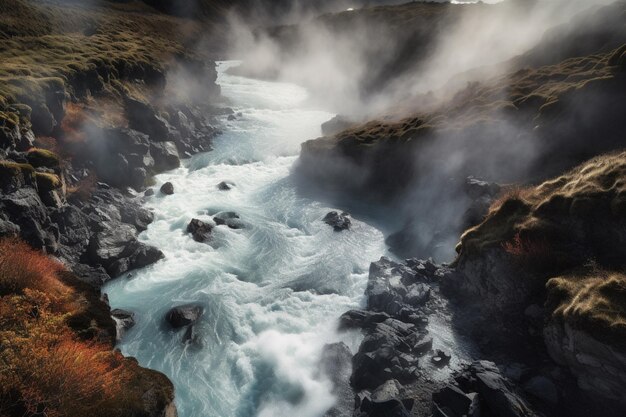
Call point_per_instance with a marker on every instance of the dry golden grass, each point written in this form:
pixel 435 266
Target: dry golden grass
pixel 47 47
pixel 594 301
pixel 563 225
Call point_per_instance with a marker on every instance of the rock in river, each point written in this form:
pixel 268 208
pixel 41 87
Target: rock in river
pixel 338 221
pixel 183 315
pixel 167 188
pixel 200 231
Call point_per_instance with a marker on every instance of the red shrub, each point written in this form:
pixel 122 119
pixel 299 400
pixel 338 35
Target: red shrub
pixel 526 248
pixel 22 267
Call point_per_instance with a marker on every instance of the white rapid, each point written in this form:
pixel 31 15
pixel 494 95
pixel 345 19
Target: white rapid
pixel 272 292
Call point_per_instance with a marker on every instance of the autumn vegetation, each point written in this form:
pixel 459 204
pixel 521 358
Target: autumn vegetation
pixel 56 345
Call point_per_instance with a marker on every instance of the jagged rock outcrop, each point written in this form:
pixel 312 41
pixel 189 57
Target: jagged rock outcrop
pixel 391 356
pixel 553 245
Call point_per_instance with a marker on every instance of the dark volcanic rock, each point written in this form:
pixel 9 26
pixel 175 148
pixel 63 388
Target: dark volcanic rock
pixel 339 222
pixel 183 316
pixel 142 117
pixel 124 320
pixel 480 389
pixel 165 156
pixel 167 188
pixel 200 231
pixel 336 365
pixel 230 219
pixel 118 250
pixel 225 186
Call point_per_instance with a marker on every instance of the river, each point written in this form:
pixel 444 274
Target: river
pixel 272 291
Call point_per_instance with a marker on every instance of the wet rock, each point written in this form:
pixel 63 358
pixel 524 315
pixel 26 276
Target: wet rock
pixel 440 358
pixel 136 215
pixel 167 188
pixel 336 365
pixel 149 192
pixel 118 250
pixel 200 231
pixel 361 319
pixel 112 244
pixel 225 186
pixel 94 276
pixel 182 316
pixel 231 117
pixel 230 219
pixel 191 336
pixel 165 156
pixel 339 222
pixel 124 321
pixel 142 256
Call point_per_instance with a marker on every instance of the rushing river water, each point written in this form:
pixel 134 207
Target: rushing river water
pixel 272 292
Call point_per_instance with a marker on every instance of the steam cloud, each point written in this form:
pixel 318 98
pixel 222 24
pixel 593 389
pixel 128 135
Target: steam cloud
pixel 363 70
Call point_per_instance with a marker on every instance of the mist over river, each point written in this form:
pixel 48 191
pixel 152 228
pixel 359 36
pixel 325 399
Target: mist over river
pixel 272 292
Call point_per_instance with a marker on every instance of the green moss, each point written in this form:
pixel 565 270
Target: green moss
pixel 43 158
pixel 48 182
pixel 12 169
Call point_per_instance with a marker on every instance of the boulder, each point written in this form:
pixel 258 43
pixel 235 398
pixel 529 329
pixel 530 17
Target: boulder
pixel 497 393
pixel 114 243
pixel 165 156
pixel 453 398
pixel 141 256
pixel 228 218
pixel 167 188
pixel 440 358
pixel 142 117
pixel 124 321
pixel 339 222
pixel 336 366
pixel 225 186
pixel 182 316
pixel 200 231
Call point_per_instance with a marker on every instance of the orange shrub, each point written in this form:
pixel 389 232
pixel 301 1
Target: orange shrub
pixel 47 371
pixel 22 267
pixel 73 123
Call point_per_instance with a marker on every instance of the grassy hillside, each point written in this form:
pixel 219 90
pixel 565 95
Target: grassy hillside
pixel 56 346
pixel 75 49
pixel 566 233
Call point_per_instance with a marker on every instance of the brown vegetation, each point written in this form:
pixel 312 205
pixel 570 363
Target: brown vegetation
pixel 56 356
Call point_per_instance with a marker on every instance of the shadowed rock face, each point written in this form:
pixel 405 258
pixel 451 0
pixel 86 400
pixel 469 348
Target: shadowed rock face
pixel 535 248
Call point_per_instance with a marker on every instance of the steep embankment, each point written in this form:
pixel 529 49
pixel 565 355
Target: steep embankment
pixel 78 142
pixel 553 253
pixel 57 347
pixel 541 115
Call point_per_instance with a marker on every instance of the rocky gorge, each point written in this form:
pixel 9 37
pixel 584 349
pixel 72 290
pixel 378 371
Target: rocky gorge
pixel 526 319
